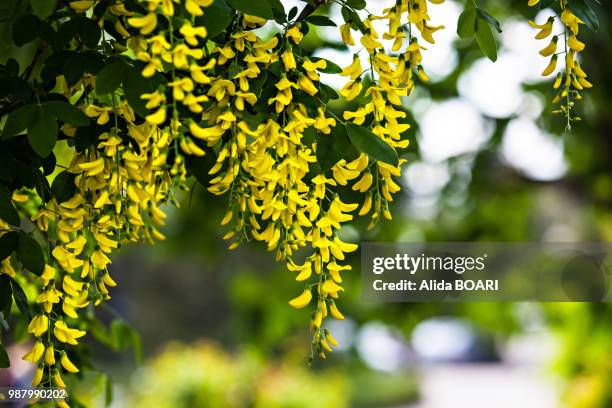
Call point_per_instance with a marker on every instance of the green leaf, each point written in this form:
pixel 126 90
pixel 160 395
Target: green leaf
pixel 309 136
pixel 26 29
pixel 8 244
pixel 74 68
pixel 42 134
pixel 100 333
pixel 3 323
pixel 258 83
pixel 255 8
pixel 276 5
pixel 322 21
pixel 216 18
pixel 85 137
pixel 30 254
pixel 89 32
pixel 275 68
pixel 327 92
pixel 356 4
pixel 21 300
pixel 136 345
pixel 485 40
pixel 67 112
pixel 63 187
pixel 483 15
pixel 351 17
pixel 278 11
pixel 18 120
pixel 466 25
pixel 370 144
pixel 292 13
pixel 108 391
pixel 585 12
pixel 110 77
pixel 7 211
pixel 124 336
pixel 4 359
pixel 43 8
pixel 332 148
pixel 6 292
pixel 544 4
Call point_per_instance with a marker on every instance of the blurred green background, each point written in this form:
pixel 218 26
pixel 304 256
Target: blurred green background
pixel 487 162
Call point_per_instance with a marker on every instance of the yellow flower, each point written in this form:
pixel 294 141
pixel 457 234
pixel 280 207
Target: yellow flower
pixel 311 68
pixel 331 287
pixel 67 364
pixel 368 41
pixel 93 168
pixel 551 66
pixel 305 270
pixel 190 33
pixel 211 135
pixel 241 97
pixel 333 310
pixel 551 48
pixel 295 34
pixel 575 44
pixel 81 6
pixel 322 123
pixel 57 379
pixel 49 298
pixel 158 117
pixel 65 334
pixel 569 19
pixel 35 354
pixel 303 300
pixel 50 356
pixel 545 29
pixel 252 21
pixel 345 32
pixel 354 70
pixel 38 374
pixel 351 90
pixel 331 339
pixel 146 23
pixel 38 325
pixel 194 7
pixel 288 60
pixel 306 85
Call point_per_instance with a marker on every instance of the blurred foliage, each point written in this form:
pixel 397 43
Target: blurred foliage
pixel 203 375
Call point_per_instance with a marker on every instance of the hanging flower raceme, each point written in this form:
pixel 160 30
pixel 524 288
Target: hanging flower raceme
pixel 263 162
pixel 246 107
pixel 393 77
pixel 571 79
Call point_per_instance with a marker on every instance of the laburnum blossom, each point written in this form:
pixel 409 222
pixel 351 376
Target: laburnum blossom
pixel 572 79
pixel 267 166
pixel 253 104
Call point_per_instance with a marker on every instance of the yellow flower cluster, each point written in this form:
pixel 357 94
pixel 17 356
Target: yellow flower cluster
pixel 263 162
pixel 120 184
pixel 215 104
pixel 394 77
pixel 572 79
pixel 119 189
